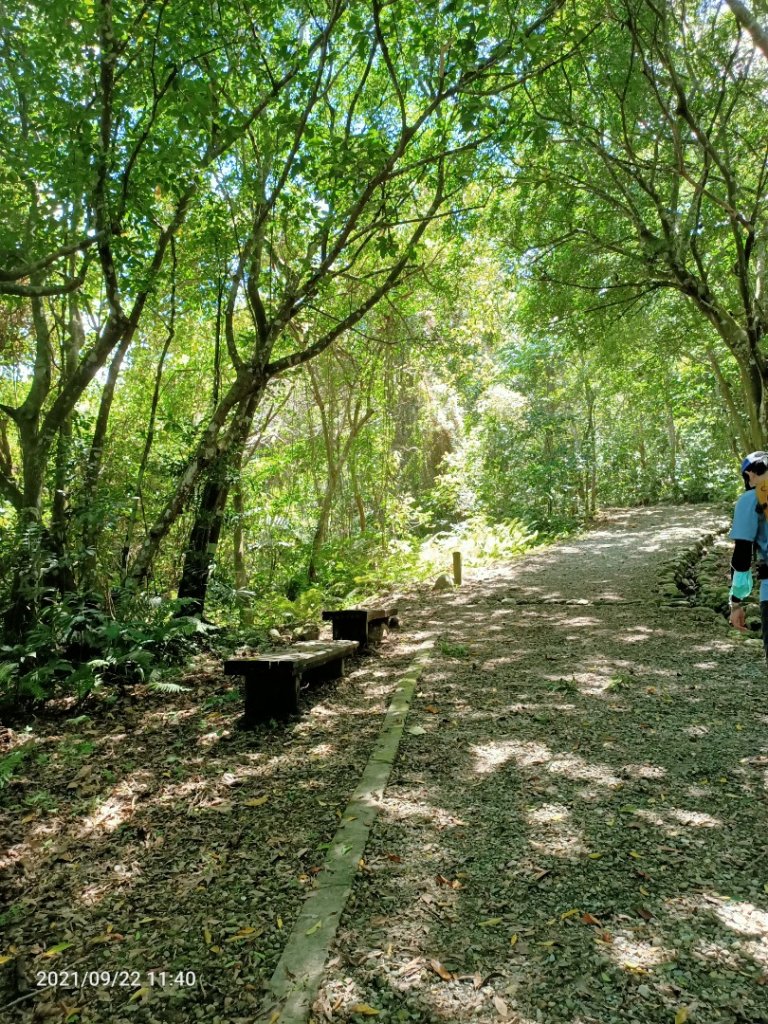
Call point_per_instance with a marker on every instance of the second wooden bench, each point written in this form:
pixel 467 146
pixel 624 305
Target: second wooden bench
pixel 364 625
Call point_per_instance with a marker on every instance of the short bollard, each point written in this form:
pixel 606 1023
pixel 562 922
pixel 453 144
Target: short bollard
pixel 457 568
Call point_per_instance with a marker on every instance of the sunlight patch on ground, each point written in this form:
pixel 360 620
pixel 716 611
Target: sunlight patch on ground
pixel 553 834
pixel 636 637
pixel 92 895
pixel 492 756
pixel 723 957
pixel 644 771
pixel 633 954
pixel 744 918
pixel 401 808
pixel 694 818
pixel 674 821
pixel 164 717
pixel 696 731
pixel 109 815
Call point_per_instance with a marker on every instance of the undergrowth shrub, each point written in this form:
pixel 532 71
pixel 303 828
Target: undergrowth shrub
pixel 76 645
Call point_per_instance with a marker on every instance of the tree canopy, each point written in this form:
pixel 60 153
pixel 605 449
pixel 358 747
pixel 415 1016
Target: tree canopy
pixel 286 290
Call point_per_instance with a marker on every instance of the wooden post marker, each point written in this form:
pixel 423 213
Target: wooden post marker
pixel 457 568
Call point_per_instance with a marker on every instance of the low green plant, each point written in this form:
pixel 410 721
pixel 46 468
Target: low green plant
pixel 452 650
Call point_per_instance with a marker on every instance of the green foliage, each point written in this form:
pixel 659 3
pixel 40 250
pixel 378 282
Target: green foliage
pixel 76 646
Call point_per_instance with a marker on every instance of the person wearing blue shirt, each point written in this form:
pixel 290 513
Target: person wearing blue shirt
pixel 749 534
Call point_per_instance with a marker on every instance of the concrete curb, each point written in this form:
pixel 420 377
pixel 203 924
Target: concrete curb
pixel 299 971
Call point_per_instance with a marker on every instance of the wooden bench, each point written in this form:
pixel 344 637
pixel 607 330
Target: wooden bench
pixel 272 681
pixel 365 625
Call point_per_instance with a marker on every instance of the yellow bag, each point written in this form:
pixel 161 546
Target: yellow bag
pixel 761 490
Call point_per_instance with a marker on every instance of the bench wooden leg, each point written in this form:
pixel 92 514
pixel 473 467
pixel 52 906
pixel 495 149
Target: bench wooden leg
pixel 376 632
pixel 271 694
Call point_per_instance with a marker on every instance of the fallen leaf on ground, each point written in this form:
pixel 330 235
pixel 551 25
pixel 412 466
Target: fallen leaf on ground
pixel 364 1009
pixel 438 968
pixel 60 946
pixel 258 802
pixel 501 1006
pixel 590 919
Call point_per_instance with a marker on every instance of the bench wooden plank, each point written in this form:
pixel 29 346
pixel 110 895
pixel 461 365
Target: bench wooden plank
pixel 272 681
pixel 303 655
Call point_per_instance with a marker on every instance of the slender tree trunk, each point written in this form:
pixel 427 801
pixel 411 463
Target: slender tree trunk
pixel 138 500
pixel 238 552
pixel 321 530
pixel 751 24
pixel 204 539
pixel 736 420
pixel 359 503
pixel 672 437
pixel 92 521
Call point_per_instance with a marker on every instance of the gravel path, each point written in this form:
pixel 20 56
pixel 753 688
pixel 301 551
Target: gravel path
pixel 575 828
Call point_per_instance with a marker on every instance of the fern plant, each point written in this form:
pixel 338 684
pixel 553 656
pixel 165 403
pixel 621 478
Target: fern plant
pixel 10 763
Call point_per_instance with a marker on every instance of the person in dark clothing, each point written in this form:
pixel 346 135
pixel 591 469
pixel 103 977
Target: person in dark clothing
pixel 749 534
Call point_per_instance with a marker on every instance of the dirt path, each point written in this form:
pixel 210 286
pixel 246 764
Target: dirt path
pixel 575 828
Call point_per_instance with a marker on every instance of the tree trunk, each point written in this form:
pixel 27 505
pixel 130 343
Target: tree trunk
pixel 741 436
pixel 209 517
pixel 321 531
pixel 238 553
pixel 672 437
pixel 203 540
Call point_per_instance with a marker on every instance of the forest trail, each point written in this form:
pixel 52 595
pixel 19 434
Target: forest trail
pixel 575 828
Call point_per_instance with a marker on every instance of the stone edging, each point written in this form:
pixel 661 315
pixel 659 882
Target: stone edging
pixel 296 978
